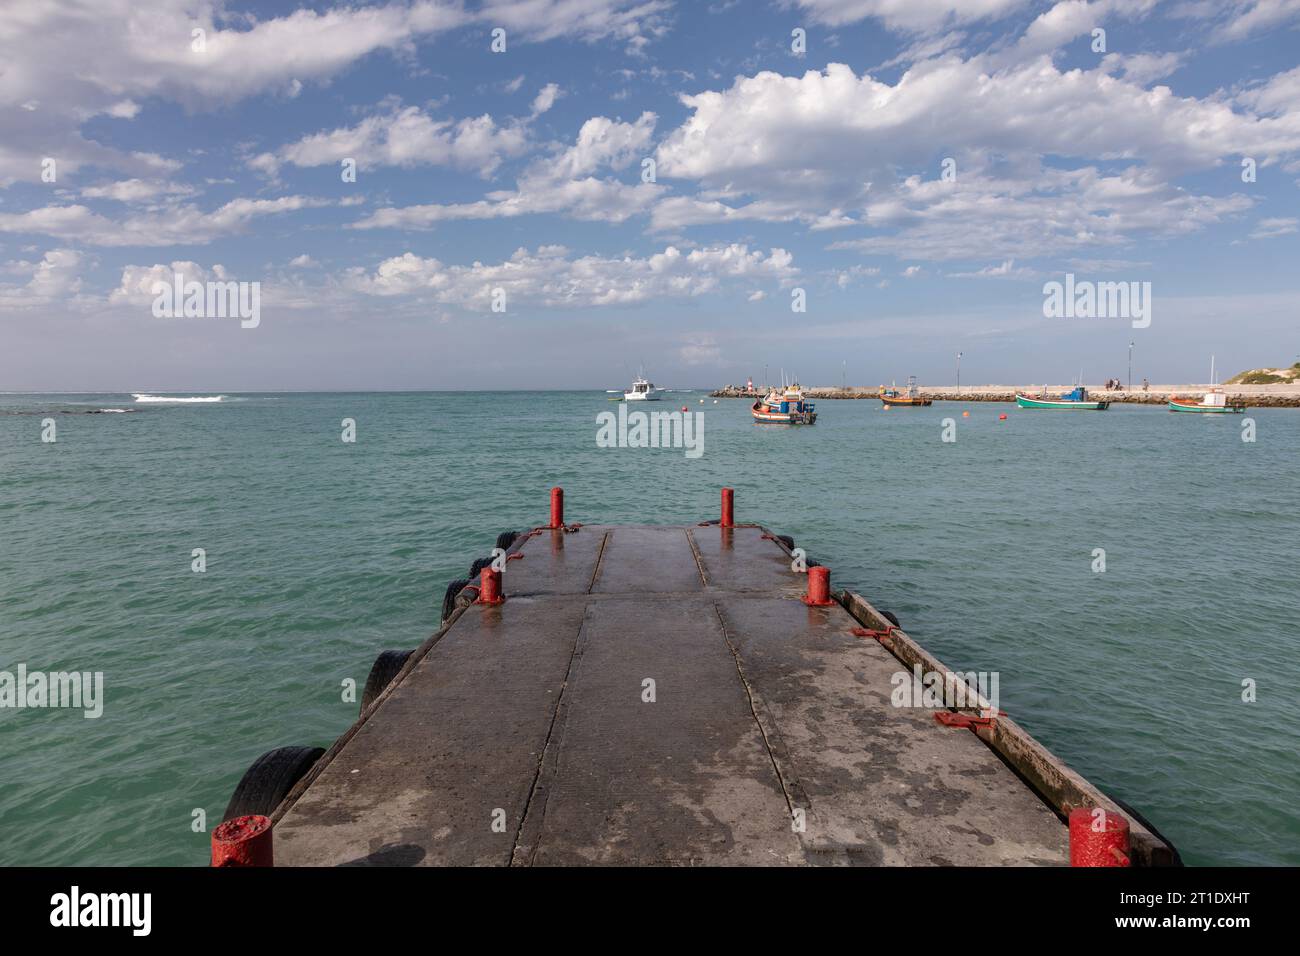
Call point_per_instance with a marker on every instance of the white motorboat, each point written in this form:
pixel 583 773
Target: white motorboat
pixel 642 391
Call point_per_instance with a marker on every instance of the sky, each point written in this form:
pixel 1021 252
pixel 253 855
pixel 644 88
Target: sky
pixel 487 194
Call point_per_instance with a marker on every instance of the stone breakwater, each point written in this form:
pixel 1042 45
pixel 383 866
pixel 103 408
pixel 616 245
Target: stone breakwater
pixel 1256 396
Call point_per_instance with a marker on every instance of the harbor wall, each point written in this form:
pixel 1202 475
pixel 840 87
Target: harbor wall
pixel 1255 396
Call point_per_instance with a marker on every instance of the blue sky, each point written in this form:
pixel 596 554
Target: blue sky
pixel 523 171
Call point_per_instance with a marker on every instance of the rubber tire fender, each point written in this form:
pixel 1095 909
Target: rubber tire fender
pixel 269 779
pixel 1178 857
pixel 382 672
pixel 449 597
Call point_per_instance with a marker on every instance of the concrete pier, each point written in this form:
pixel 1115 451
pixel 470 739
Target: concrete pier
pixel 662 695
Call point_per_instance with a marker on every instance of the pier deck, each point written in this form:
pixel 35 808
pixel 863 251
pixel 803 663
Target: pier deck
pixel 524 732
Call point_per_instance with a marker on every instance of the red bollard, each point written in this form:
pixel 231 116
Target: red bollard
pixel 819 587
pixel 557 507
pixel 243 841
pixel 728 507
pixel 489 591
pixel 1090 846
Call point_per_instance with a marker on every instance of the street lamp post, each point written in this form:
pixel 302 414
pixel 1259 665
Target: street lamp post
pixel 1130 366
pixel 959 370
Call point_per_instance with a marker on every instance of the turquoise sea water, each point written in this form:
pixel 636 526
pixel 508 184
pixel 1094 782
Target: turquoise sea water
pixel 320 554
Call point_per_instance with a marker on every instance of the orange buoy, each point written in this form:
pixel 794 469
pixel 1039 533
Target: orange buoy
pixel 965 414
pixel 1002 417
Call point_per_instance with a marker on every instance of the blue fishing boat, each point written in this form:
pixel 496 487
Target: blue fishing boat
pixel 1077 399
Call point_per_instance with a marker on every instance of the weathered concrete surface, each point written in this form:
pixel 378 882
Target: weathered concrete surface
pixel 881 785
pixel 648 561
pixel 459 738
pixel 556 562
pixel 738 559
pixel 534 716
pixel 685 778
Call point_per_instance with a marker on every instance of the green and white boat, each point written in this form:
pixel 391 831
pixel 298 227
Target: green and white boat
pixel 1077 399
pixel 1214 402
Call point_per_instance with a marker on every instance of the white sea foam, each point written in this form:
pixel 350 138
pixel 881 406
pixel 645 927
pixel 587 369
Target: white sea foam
pixel 166 398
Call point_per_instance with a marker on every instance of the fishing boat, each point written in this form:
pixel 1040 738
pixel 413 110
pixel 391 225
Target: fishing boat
pixel 910 397
pixel 642 391
pixel 1213 402
pixel 1077 399
pixel 784 406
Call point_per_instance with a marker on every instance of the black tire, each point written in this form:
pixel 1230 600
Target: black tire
pixel 890 617
pixel 1178 859
pixel 449 597
pixel 478 565
pixel 505 539
pixel 382 672
pixel 269 778
pixel 786 540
